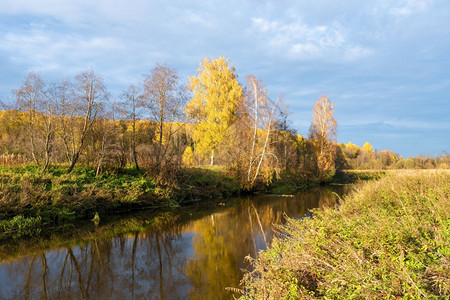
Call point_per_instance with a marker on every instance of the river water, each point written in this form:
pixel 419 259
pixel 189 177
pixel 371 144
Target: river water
pixel 193 253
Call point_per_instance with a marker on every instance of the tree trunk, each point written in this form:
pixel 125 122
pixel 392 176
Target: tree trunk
pixel 158 155
pixel 74 161
pixel 133 146
pixel 33 151
pixel 48 148
pixel 46 163
pixel 212 157
pixel 255 129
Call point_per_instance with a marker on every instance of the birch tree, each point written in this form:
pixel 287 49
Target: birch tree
pixel 256 100
pixel 213 107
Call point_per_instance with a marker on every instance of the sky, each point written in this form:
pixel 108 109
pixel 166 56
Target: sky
pixel 384 64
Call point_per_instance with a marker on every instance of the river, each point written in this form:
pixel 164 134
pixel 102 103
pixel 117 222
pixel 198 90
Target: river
pixel 189 253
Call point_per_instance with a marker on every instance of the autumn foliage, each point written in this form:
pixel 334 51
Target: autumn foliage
pixel 163 126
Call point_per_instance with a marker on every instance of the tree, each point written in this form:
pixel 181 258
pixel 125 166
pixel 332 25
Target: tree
pixel 36 103
pixel 66 115
pixel 214 104
pixel 28 96
pixel 132 98
pixel 367 147
pixel 256 99
pixel 90 94
pixel 286 139
pixel 323 133
pixel 48 111
pixel 351 152
pixel 104 142
pixel 323 127
pixel 163 96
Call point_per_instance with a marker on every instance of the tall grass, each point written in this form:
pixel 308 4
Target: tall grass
pixel 389 239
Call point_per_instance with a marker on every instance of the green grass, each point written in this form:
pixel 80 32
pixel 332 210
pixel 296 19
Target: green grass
pixel 350 176
pixel 390 239
pixel 58 198
pixel 195 184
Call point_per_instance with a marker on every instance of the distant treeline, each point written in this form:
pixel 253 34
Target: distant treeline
pixel 366 158
pixel 161 125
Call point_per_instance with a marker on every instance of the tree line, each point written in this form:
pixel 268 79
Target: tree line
pixel 161 125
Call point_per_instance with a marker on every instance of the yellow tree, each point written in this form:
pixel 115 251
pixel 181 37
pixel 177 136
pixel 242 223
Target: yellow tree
pixel 367 147
pixel 216 98
pixel 351 152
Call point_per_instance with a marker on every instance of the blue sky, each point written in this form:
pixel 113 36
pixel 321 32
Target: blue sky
pixel 385 64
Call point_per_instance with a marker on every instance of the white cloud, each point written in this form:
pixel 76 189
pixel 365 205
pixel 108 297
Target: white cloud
pixel 44 51
pixel 418 124
pixel 306 49
pixel 264 25
pixel 204 20
pixel 301 41
pixel 410 7
pixel 353 53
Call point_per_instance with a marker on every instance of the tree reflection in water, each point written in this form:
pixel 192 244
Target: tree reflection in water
pixel 172 256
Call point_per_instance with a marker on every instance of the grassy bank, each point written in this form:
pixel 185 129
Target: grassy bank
pixel 30 201
pixel 390 239
pixel 288 183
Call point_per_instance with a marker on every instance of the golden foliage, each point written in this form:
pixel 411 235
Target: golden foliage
pixel 367 147
pixel 188 156
pixel 216 97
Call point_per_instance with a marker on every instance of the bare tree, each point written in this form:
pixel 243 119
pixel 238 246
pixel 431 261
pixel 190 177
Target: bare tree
pixel 261 113
pixel 104 135
pixel 264 151
pixel 28 95
pixel 163 96
pixel 132 98
pixel 323 132
pixel 90 94
pixel 37 106
pixel 66 115
pixel 324 126
pixel 48 128
pixel 256 99
pixel 286 138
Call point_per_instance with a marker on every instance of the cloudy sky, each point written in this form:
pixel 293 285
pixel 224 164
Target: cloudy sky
pixel 385 64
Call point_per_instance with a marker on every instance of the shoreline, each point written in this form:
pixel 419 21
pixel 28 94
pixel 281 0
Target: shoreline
pixel 31 202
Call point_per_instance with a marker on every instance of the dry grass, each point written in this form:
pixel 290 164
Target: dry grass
pixel 390 239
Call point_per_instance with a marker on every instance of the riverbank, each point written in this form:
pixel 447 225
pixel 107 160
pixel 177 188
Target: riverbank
pixel 389 239
pixel 178 253
pixel 30 201
pixel 288 183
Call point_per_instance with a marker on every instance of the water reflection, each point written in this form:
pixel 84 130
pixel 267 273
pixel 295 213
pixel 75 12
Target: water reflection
pixel 176 255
